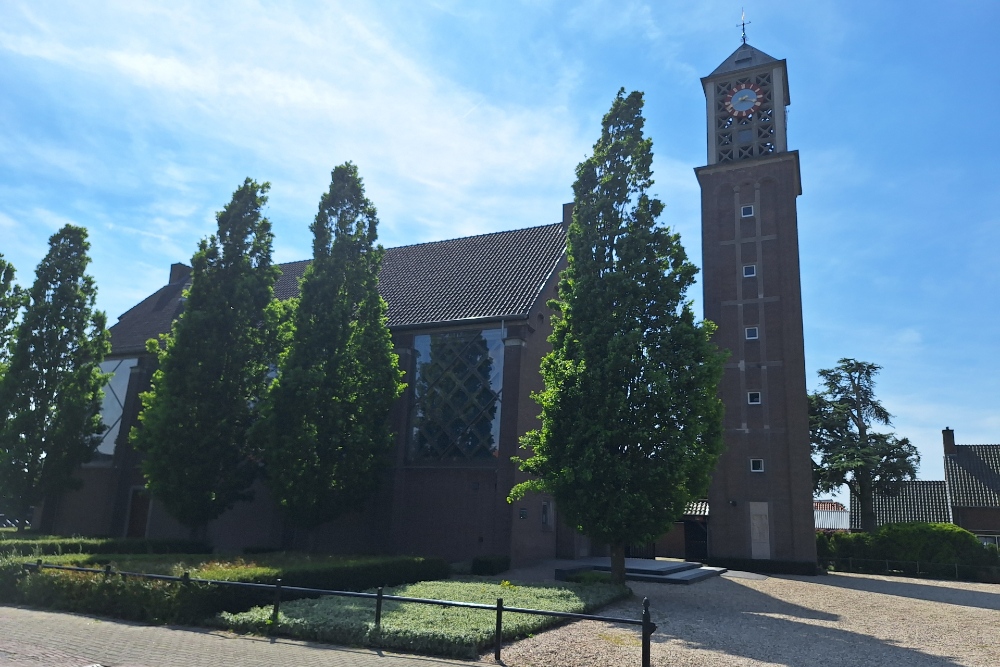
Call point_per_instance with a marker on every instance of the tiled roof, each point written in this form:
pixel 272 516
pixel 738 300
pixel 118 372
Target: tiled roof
pixel 917 500
pixel 744 57
pixel 478 277
pixel 830 505
pixel 973 475
pixel 148 319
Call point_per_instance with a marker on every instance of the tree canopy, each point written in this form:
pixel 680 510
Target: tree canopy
pixel 213 368
pixel 842 418
pixel 11 301
pixel 631 421
pixel 50 395
pixel 325 434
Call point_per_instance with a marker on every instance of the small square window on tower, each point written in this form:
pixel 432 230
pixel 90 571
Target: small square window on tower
pixel 747 211
pixel 752 333
pixel 753 397
pixel 749 270
pixel 756 465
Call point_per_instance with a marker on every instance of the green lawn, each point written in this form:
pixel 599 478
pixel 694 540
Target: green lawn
pixel 444 631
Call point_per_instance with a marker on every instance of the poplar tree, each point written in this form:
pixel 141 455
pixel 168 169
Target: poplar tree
pixel 50 394
pixel 631 422
pixel 213 368
pixel 325 435
pixel 842 422
pixel 11 301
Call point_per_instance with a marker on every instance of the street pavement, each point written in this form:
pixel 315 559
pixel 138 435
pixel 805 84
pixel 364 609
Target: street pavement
pixel 52 639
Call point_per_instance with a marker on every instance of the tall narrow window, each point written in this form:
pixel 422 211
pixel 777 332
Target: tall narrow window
pixel 113 405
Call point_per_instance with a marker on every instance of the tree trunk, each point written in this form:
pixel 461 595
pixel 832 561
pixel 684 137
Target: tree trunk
pixel 866 496
pixel 618 564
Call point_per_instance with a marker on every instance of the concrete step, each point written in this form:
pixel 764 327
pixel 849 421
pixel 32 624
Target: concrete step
pixel 683 577
pixel 640 569
pixel 648 566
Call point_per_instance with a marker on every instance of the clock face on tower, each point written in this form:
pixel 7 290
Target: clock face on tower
pixel 744 99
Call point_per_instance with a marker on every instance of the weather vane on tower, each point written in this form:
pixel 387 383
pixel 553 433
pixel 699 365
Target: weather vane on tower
pixel 743 24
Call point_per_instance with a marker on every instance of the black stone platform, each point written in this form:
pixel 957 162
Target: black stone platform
pixel 644 569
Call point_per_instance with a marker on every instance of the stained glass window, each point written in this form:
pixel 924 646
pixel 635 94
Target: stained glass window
pixel 457 396
pixel 114 403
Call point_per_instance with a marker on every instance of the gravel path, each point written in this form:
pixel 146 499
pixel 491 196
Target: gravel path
pixel 839 620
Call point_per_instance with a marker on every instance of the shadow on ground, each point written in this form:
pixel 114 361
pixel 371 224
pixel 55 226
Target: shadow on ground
pixel 723 615
pixel 909 588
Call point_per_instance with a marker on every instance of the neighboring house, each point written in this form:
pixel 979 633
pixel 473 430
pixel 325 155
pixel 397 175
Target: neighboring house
pixel 969 495
pixel 467 315
pixel 972 473
pixel 831 515
pixel 917 500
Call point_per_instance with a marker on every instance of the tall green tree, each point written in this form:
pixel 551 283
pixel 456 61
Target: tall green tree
pixel 50 395
pixel 631 421
pixel 842 419
pixel 11 302
pixel 325 432
pixel 213 369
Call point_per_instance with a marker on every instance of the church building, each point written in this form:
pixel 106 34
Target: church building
pixel 470 323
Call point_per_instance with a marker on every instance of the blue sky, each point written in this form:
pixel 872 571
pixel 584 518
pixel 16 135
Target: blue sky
pixel 138 120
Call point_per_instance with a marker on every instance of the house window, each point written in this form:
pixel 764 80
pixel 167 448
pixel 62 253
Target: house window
pixel 749 270
pixel 753 397
pixel 752 333
pixel 989 540
pixel 456 396
pixel 756 465
pixel 747 211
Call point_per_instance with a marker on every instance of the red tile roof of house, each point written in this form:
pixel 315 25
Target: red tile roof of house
pixel 973 475
pixel 917 500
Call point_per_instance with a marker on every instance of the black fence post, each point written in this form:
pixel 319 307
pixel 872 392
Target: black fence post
pixel 648 628
pixel 185 578
pixel 107 571
pixel 277 605
pixel 378 609
pixel 499 630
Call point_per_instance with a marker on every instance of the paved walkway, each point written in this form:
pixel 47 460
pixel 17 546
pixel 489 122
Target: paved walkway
pixel 31 637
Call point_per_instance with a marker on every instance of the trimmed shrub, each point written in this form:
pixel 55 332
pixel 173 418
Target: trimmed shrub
pixel 44 545
pixel 490 565
pixel 140 599
pixel 923 542
pixel 589 577
pixel 917 549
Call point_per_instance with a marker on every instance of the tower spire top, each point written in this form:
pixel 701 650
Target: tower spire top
pixel 743 24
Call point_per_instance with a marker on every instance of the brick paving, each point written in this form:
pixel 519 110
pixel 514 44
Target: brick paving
pixel 51 639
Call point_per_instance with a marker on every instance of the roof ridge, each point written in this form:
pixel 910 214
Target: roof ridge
pixel 456 238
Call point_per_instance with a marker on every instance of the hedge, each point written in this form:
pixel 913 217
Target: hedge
pixel 923 542
pixel 941 549
pixel 135 598
pixel 54 546
pixel 490 565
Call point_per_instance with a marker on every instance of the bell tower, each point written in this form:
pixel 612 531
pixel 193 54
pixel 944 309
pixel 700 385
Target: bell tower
pixel 760 499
